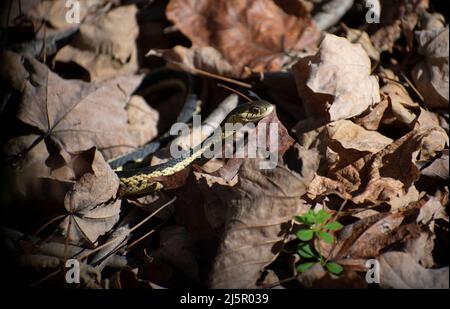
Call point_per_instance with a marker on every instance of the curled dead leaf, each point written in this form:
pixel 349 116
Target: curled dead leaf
pixel 399 270
pixel 383 176
pixel 91 205
pixel 336 83
pixel 431 75
pixel 102 48
pixel 361 37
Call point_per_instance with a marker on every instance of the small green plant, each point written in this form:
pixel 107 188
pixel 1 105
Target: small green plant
pixel 319 226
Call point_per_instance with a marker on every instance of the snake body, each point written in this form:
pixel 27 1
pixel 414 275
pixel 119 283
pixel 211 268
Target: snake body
pixel 141 181
pixel 163 80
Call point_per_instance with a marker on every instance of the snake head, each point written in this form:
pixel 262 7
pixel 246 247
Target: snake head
pixel 251 112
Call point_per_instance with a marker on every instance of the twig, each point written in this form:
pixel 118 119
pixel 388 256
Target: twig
pixel 212 122
pixel 272 285
pixel 336 217
pixel 412 86
pixel 47 224
pixel 201 72
pixel 235 91
pixel 131 230
pixel 142 237
pixel 36 283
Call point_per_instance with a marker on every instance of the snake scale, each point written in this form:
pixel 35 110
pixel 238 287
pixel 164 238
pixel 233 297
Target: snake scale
pixel 143 180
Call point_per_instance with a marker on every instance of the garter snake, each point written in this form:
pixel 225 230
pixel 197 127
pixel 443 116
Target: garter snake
pixel 162 80
pixel 141 181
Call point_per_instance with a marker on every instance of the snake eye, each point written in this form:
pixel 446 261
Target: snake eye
pixel 255 110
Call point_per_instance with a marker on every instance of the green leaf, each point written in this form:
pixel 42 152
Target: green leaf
pixel 307 218
pixel 326 237
pixel 333 226
pixel 322 216
pixel 304 267
pixel 334 268
pixel 305 235
pixel 305 251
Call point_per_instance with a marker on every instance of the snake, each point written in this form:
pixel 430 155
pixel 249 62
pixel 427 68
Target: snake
pixel 159 80
pixel 142 181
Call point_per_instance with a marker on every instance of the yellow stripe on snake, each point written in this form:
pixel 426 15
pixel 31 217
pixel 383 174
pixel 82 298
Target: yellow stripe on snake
pixel 137 182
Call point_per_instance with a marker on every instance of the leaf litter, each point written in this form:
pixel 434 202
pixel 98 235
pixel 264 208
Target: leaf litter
pixel 362 115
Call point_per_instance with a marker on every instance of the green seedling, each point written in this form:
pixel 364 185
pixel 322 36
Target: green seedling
pixel 319 225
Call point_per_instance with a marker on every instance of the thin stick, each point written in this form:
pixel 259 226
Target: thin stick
pixel 235 91
pixel 36 283
pixel 335 242
pixel 412 86
pixel 212 75
pixel 198 71
pixel 47 224
pixel 131 230
pixel 143 237
pixel 275 284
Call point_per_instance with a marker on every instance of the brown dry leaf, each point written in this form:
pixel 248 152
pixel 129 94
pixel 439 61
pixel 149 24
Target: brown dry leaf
pixel 283 141
pixel 127 278
pixel 432 210
pixel 215 191
pixel 431 75
pixel 431 21
pixel 258 221
pixel 421 249
pixel 104 49
pixel 206 58
pixel 372 235
pixel 398 270
pixel 36 253
pixel 402 109
pixel 91 204
pixel 13 71
pixel 371 121
pixel 351 136
pixel 142 119
pixel 384 176
pixel 361 37
pixel 15 11
pixel 41 257
pixel 177 248
pixel 341 143
pixel 401 104
pixel 336 83
pixel 427 119
pixel 246 34
pixel 368 237
pixel 438 168
pixel 385 37
pixel 397 18
pixel 54 12
pixel 71 116
pixel 318 278
pixel 322 186
pixel 392 171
